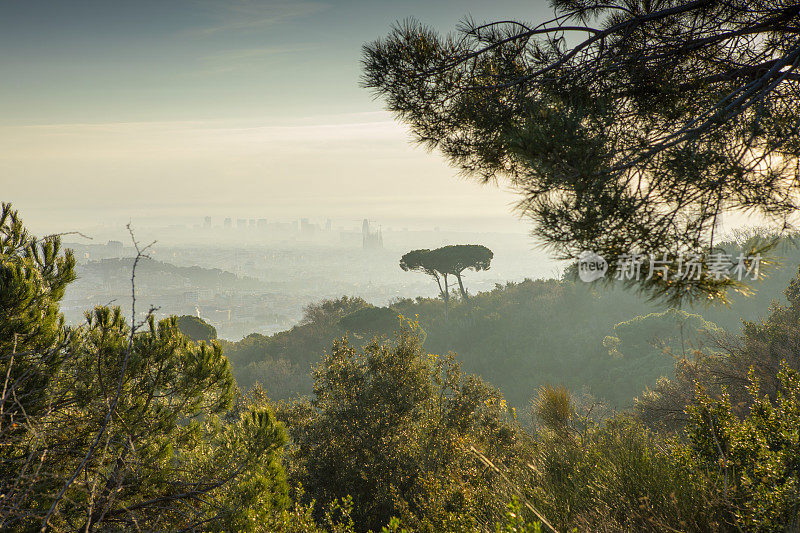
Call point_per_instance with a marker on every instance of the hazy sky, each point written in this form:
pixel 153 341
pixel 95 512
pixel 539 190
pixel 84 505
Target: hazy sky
pixel 153 109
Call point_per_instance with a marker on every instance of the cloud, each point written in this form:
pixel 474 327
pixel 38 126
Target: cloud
pixel 240 15
pixel 246 58
pixel 346 164
pixel 334 134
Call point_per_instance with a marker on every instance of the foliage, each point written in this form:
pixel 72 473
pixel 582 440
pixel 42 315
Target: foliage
pixel 625 126
pixel 114 426
pixel 370 321
pixel 457 258
pixel 753 460
pixel 425 261
pixel 618 476
pixel 762 348
pixel 522 335
pixel 33 277
pixel 553 407
pixel 391 427
pixel 515 522
pixel 674 331
pixel 445 261
pixel 196 328
pixel 282 377
pixel 329 312
pixel 652 345
pixel 282 361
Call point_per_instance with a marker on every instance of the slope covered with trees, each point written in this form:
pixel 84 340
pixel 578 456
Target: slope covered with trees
pixel 522 335
pixel 115 426
pixel 635 137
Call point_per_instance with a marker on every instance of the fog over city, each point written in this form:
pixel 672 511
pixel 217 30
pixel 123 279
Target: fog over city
pixel 163 113
pixel 400 266
pixel 250 114
pixel 266 272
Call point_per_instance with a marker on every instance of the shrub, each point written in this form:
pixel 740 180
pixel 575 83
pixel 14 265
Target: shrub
pixel 392 427
pixel 755 460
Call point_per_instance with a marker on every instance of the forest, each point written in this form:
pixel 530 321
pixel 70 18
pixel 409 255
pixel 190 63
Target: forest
pixel 606 342
pixel 669 402
pixel 357 420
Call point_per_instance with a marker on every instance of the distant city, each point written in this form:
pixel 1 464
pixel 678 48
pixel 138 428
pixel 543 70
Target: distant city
pixel 246 275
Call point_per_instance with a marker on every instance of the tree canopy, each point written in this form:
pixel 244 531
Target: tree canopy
pixel 196 328
pixel 115 426
pixel 457 258
pixel 111 425
pixel 426 261
pixel 625 126
pixel 370 321
pixel 448 260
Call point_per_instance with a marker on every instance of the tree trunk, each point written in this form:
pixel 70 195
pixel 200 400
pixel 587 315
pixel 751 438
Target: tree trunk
pixel 461 286
pixel 446 296
pixel 439 283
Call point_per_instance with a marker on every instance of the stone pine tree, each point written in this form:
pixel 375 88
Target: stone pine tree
pixel 625 126
pixel 425 261
pixel 455 259
pixel 448 261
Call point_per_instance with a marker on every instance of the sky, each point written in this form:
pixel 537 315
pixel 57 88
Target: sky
pixel 168 111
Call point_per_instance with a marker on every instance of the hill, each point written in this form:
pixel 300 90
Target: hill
pixel 519 335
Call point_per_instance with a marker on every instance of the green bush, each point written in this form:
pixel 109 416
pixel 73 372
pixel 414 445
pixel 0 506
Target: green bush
pixel 107 425
pixel 618 476
pixel 753 461
pixel 392 426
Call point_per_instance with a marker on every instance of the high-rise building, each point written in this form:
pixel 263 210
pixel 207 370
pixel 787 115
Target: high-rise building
pixel 207 222
pixel 228 222
pixel 370 240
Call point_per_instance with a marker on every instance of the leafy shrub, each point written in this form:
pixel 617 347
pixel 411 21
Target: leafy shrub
pixel 618 476
pixel 754 461
pixel 392 427
pixel 108 425
pixel 761 349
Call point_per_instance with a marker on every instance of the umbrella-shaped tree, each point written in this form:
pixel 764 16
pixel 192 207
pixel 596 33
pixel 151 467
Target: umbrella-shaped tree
pixel 446 261
pixel 455 259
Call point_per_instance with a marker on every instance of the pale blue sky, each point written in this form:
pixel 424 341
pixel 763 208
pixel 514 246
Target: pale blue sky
pixel 174 109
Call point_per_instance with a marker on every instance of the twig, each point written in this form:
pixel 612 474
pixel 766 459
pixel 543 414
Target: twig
pixel 120 381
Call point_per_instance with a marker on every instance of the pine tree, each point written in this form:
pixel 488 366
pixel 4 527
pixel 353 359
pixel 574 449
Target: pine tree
pixel 113 425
